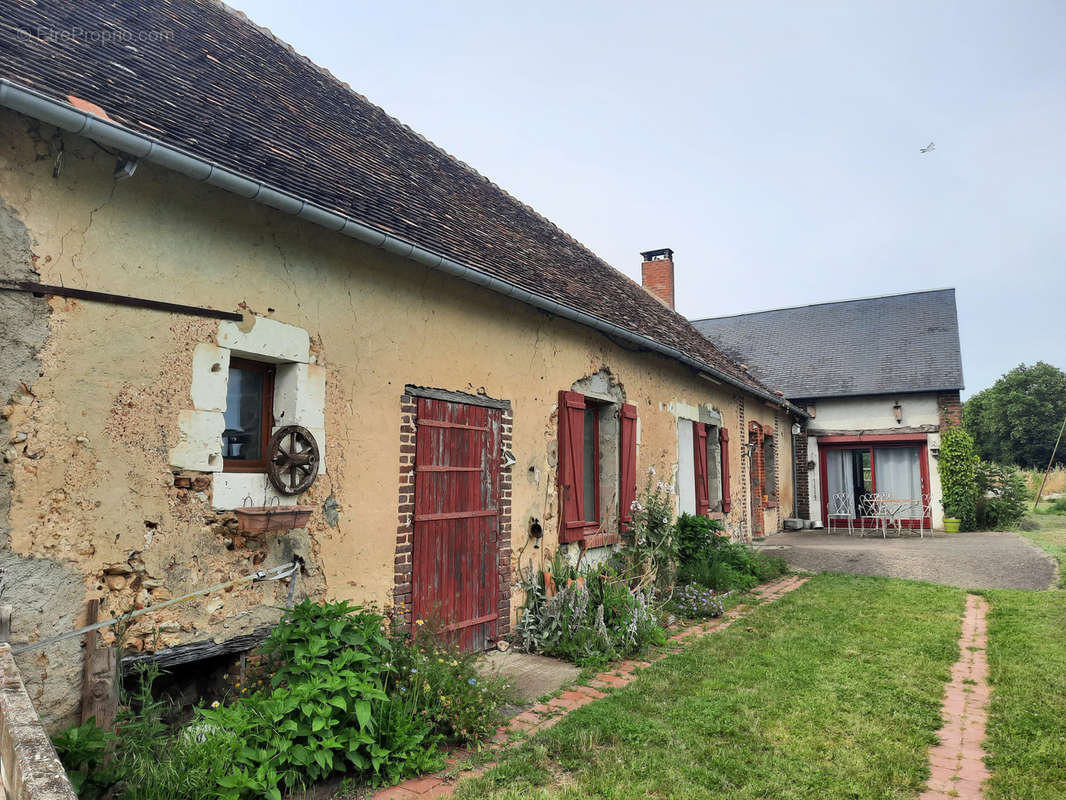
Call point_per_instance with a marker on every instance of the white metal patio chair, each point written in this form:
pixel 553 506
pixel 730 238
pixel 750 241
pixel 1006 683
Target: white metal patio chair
pixel 840 508
pixel 872 507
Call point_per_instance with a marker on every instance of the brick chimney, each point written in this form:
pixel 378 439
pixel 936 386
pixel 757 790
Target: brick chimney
pixel 657 275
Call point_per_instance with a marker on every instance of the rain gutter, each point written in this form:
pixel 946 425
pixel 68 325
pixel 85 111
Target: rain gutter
pixel 110 134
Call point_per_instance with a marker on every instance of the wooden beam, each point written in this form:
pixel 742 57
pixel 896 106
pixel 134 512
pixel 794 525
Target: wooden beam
pixel 196 651
pixel 99 685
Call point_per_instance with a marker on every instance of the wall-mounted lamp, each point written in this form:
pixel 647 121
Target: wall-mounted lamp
pixel 796 429
pixel 749 448
pixel 897 409
pixel 934 452
pixel 508 459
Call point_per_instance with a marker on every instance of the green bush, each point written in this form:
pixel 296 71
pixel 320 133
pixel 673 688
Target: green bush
pixel 594 616
pixel 445 688
pixel 1001 496
pixel 147 760
pixel 327 711
pixel 714 561
pixel 83 751
pixel 341 700
pixel 958 477
pixel 1056 506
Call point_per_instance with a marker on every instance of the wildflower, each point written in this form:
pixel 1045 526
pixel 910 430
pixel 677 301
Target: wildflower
pixel 420 622
pixel 215 704
pixel 472 682
pixel 414 671
pixel 455 663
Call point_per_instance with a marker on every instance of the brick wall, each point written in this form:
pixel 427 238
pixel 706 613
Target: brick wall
pixel 949 408
pixel 401 590
pixel 657 277
pixel 802 477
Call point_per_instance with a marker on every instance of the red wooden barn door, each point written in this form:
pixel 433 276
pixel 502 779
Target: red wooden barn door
pixel 457 489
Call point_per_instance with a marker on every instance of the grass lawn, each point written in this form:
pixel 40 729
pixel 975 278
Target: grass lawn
pixel 1051 536
pixel 834 692
pixel 1027 720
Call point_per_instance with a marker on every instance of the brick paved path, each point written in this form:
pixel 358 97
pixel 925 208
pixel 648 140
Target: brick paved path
pixel 955 765
pixel 544 715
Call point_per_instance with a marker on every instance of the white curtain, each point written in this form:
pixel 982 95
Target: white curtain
pixel 898 474
pixel 839 478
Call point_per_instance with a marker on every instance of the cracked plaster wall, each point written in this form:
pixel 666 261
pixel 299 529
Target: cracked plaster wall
pixel 101 502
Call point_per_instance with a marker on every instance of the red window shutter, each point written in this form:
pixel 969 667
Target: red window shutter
pixel 627 490
pixel 699 444
pixel 723 438
pixel 571 467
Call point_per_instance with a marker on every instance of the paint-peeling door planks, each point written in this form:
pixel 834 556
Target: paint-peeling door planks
pixel 455 547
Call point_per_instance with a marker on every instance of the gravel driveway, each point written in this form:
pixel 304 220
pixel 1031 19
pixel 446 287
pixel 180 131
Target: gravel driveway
pixel 985 560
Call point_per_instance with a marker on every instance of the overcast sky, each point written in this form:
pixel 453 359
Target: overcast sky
pixel 773 146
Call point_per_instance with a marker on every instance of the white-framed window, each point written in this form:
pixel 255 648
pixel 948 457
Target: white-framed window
pixel 267 371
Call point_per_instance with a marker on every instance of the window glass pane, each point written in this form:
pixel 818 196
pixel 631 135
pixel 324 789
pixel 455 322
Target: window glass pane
pixel 244 415
pixel 590 465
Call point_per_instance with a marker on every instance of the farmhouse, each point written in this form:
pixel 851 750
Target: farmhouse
pixel 231 287
pixel 880 380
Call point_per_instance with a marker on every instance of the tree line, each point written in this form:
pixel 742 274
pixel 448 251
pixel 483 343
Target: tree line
pixel 1017 419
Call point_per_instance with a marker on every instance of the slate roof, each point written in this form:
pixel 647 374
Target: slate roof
pixel 877 345
pixel 225 90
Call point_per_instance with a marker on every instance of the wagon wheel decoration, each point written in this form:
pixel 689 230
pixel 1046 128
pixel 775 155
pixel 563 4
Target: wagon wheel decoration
pixel 294 459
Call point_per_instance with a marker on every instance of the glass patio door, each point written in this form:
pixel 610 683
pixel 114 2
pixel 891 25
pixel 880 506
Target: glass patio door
pixel 899 476
pixel 894 472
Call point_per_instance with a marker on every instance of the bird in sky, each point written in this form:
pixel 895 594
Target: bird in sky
pixel 929 148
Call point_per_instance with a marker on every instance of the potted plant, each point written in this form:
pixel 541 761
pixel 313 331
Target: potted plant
pixel 951 524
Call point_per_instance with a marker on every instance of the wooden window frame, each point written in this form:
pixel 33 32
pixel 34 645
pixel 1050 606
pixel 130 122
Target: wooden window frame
pixel 269 372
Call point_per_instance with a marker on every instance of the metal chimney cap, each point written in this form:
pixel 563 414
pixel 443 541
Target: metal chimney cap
pixel 661 254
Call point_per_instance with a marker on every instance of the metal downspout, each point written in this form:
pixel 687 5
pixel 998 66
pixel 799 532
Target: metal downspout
pixel 62 115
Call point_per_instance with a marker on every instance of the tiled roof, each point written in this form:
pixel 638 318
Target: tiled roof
pixel 199 76
pixel 878 345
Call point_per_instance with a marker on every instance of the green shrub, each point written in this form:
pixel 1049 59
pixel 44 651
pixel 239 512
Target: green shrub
pixel 328 710
pixel 593 617
pixel 958 477
pixel 714 561
pixel 83 751
pixel 1056 506
pixel 341 699
pixel 445 688
pixel 1001 496
pixel 696 534
pixel 147 760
